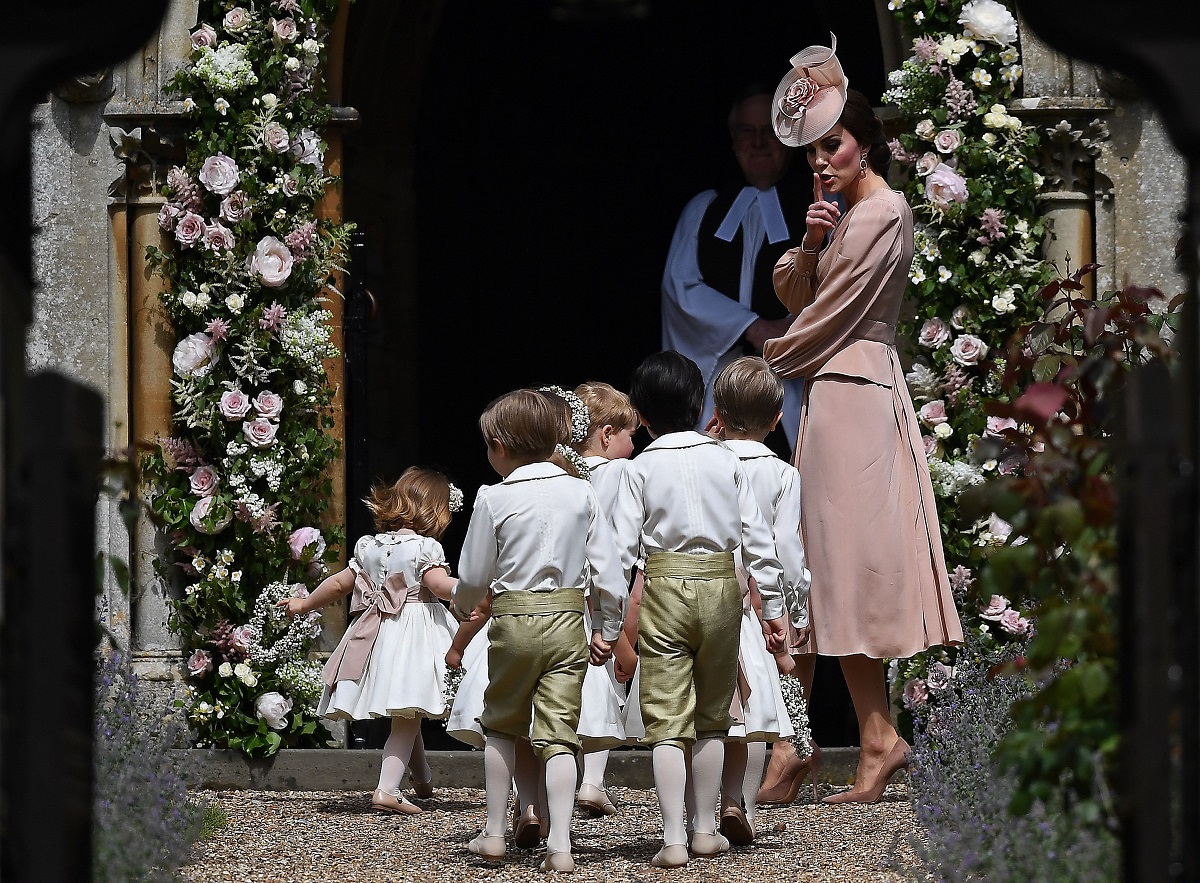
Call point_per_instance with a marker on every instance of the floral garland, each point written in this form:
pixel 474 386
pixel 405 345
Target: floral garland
pixel 797 710
pixel 968 168
pixel 580 421
pixel 242 484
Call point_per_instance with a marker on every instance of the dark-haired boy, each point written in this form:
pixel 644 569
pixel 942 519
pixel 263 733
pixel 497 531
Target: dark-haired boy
pixel 684 506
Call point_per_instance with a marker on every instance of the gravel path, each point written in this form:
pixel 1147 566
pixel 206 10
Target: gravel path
pixel 322 837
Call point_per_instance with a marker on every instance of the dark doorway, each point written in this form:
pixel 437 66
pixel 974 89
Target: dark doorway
pixel 518 175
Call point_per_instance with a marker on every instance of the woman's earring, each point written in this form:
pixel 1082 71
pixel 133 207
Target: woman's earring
pixel 862 166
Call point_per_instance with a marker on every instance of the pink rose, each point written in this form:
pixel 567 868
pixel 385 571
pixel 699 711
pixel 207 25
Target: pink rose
pixel 997 425
pixel 218 237
pixel 968 350
pixel 234 404
pixel 219 174
pixel 938 677
pixel 204 36
pixel 271 262
pixel 204 481
pixel 290 186
pixel 798 95
pixel 168 215
pixel 269 405
pixel 304 537
pixel 931 446
pixel 200 662
pixel 927 163
pixel 276 138
pixel 307 149
pixel 995 609
pixel 933 413
pixel 241 637
pixel 915 693
pixel 235 206
pixel 260 433
pixel 947 140
pixel 236 20
pixel 1013 622
pixel 210 509
pixel 934 333
pixel 944 186
pixel 283 31
pixel 189 230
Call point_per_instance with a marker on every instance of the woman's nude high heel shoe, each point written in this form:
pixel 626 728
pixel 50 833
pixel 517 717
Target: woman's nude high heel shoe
pixel 793 776
pixel 896 760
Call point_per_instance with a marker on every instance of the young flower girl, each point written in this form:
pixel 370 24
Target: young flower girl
pixel 391 660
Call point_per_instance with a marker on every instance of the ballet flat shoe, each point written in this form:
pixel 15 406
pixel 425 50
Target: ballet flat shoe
pixel 558 861
pixel 381 801
pixel 487 846
pixel 736 827
pixel 673 855
pixel 896 760
pixel 594 801
pixel 709 844
pixel 528 829
pixel 424 790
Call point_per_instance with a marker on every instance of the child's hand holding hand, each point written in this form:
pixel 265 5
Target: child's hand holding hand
pixel 627 660
pixel 601 650
pixel 775 631
pixel 292 606
pixel 454 658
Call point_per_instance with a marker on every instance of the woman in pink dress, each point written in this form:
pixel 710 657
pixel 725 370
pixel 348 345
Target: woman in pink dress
pixel 868 516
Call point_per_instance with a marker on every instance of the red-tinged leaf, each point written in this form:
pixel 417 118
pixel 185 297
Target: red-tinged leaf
pixel 1041 402
pixel 1050 291
pixel 1093 324
pixel 1084 270
pixel 1140 295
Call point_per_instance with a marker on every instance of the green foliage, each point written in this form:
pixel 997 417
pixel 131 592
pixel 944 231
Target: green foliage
pixel 1063 503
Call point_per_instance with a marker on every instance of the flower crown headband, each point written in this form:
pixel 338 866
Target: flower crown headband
pixel 456 498
pixel 580 421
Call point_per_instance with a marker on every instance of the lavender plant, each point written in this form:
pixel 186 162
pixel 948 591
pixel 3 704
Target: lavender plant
pixel 144 822
pixel 962 796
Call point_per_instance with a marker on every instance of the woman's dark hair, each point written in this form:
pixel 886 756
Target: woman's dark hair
pixel 668 392
pixel 859 119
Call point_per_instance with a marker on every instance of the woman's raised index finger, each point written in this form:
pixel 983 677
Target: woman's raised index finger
pixel 818 193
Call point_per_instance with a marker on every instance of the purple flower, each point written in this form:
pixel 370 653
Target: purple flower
pixel 272 317
pixel 218 329
pixel 304 537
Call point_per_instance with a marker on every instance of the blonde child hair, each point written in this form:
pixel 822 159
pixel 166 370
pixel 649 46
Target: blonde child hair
pixel 748 395
pixel 607 406
pixel 527 422
pixel 419 501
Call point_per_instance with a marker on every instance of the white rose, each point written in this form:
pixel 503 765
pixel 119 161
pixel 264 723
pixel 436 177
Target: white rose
pixel 307 149
pixel 968 350
pixel 250 680
pixel 989 20
pixel 291 64
pixel 241 669
pixel 927 163
pixel 193 356
pixel 202 512
pixel 273 708
pixel 960 316
pixel 1004 303
pixel 236 21
pixel 235 302
pixel 943 430
pixel 925 129
pixel 271 262
pixel 219 174
pixel 226 670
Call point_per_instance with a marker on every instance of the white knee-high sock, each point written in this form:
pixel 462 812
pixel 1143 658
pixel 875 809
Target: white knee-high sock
pixel 707 758
pixel 670 781
pixel 499 761
pixel 594 765
pixel 689 793
pixel 418 765
pixel 396 752
pixel 530 783
pixel 560 795
pixel 733 772
pixel 756 762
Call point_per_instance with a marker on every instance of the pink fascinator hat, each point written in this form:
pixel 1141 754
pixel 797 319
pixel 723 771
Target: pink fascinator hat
pixel 810 98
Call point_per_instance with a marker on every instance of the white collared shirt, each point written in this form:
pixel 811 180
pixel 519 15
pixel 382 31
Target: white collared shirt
pixel 688 493
pixel 776 486
pixel 606 481
pixel 538 530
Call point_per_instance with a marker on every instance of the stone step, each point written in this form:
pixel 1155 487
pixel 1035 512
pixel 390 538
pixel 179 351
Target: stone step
pixel 358 770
